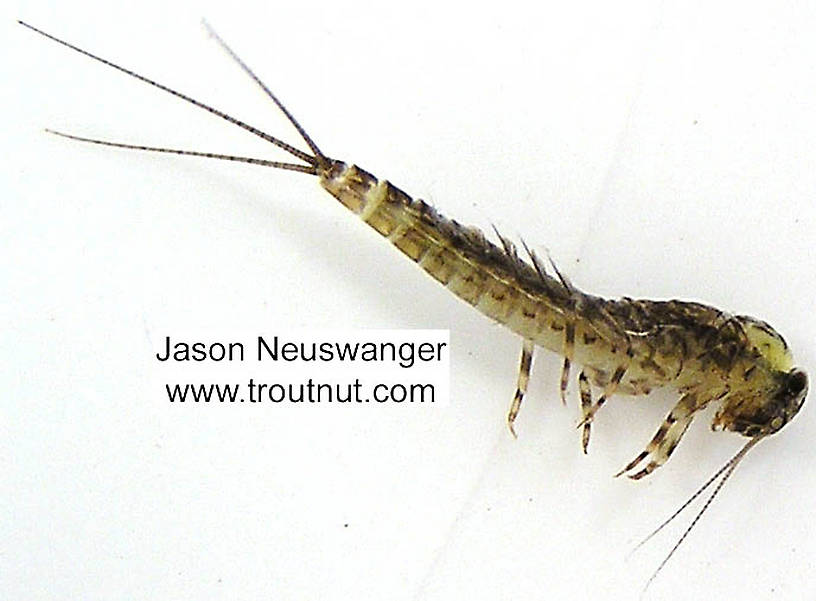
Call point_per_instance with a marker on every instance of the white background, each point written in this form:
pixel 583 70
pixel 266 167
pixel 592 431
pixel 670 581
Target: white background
pixel 658 150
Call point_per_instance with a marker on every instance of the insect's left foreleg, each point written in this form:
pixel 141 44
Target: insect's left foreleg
pixel 666 438
pixel 525 365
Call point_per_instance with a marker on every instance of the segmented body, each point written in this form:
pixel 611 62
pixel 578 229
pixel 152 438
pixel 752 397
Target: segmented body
pixel 530 302
pixel 626 346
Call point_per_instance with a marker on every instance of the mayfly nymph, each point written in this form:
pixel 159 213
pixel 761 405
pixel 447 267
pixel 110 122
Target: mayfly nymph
pixel 627 346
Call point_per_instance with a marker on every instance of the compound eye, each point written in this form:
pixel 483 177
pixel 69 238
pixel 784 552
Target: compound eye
pixel 797 382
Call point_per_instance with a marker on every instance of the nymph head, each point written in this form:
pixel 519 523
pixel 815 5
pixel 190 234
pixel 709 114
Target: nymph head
pixel 766 413
pixel 769 392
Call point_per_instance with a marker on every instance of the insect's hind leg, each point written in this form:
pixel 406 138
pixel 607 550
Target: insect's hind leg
pixel 525 365
pixel 666 438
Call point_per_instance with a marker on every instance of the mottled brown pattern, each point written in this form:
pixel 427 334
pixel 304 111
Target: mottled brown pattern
pixel 627 346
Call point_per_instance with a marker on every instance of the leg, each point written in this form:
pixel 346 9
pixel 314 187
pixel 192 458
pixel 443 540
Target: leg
pixel 523 379
pixel 586 405
pixel 666 438
pixel 608 391
pixel 569 349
